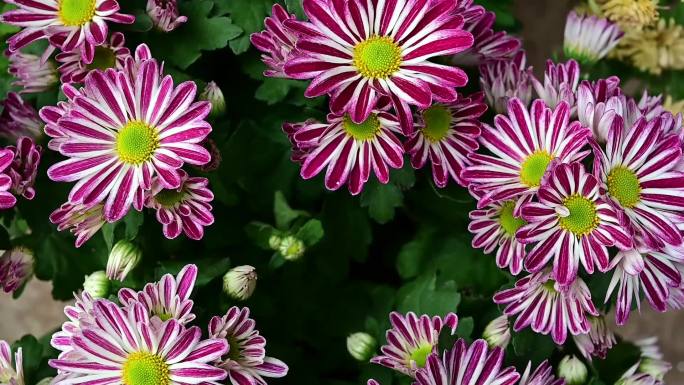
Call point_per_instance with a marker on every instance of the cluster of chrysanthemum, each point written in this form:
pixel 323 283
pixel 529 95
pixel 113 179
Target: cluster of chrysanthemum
pixel 127 131
pixel 147 338
pixel 375 62
pixel 583 180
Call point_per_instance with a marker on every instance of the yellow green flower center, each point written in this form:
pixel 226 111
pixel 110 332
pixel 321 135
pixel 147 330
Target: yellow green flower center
pixel 165 316
pixel 623 185
pixel 234 350
pixel 362 131
pixel 582 218
pixel 508 221
pixel 143 368
pixel 76 12
pixel 377 57
pixel 534 167
pixel 437 122
pixel 136 142
pixel 170 197
pixel 421 354
pixel 104 58
pixel 550 286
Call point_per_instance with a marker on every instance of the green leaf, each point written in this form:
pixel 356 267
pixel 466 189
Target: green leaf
pixel 530 345
pixel 295 6
pixel 381 200
pixel 311 232
pixel 133 220
pixel 284 214
pixel 32 354
pixel 108 234
pixel 275 90
pixel 260 233
pixel 248 15
pixel 465 327
pixel 413 254
pixel 202 32
pixel 423 296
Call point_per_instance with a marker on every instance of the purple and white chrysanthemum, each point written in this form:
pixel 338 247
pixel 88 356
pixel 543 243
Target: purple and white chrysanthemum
pixel 122 346
pixel 506 79
pixel 523 145
pixel 548 307
pixel 16 268
pixel 19 119
pixel 167 299
pixel 639 172
pixel 447 134
pixel 121 131
pixel 349 150
pixel 246 361
pixel 488 45
pixel 165 15
pixel 52 114
pixel 24 168
pixel 81 220
pixel 78 314
pixel 277 42
pixel 589 38
pixel 542 375
pixel 11 374
pixel 32 74
pixel 655 273
pixel 186 209
pixel 463 364
pixel 7 200
pixel 357 51
pixel 599 102
pixel 571 223
pixel 598 341
pixel 494 228
pixel 560 83
pixel 70 25
pixel 412 339
pixel 651 106
pixel 111 54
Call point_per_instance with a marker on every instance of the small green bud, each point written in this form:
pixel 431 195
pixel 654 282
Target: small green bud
pixel 572 370
pixel 292 248
pixel 213 94
pixel 497 333
pixel 274 242
pixel 361 346
pixel 239 283
pixel 123 258
pixel 97 284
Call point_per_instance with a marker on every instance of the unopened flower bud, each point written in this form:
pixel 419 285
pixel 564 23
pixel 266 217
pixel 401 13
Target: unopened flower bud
pixel 213 94
pixel 16 267
pixel 361 346
pixel 274 242
pixel 45 381
pixel 572 370
pixel 123 258
pixel 239 283
pixel 96 284
pixel 497 333
pixel 292 248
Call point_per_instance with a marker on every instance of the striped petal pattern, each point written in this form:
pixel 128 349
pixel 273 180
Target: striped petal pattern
pixel 19 118
pixel 12 374
pixel 277 42
pixel 32 74
pixel 505 79
pixel 112 54
pixel 560 83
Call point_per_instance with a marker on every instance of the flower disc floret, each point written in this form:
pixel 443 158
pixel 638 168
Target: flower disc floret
pixel 366 130
pixel 136 142
pixel 377 57
pixel 581 217
pixel 438 121
pixel 534 167
pixel 142 368
pixel 76 12
pixel 623 185
pixel 509 222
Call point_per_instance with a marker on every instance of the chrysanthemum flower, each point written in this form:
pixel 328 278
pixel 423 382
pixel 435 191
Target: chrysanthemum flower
pixel 81 312
pixel 11 374
pixel 81 220
pixel 70 25
pixel 588 38
pixel 651 106
pixel 121 131
pixel 246 361
pixel 123 347
pixel 654 49
pixel 7 200
pixel 16 268
pixel 497 333
pixel 630 14
pixel 19 119
pixel 24 167
pixel 654 273
pixel 165 15
pixel 97 284
pixel 277 42
pixel 32 74
pixel 638 169
pixel 598 341
pixel 599 102
pixel 494 228
pixel 349 150
pixel 488 45
pixel 447 134
pixel 380 50
pixel 542 375
pixel 111 54
pixel 186 209
pixel 571 223
pixel 239 282
pixel 167 299
pixel 549 307
pixel 560 83
pixel 463 364
pixel 523 145
pixel 672 105
pixel 506 79
pixel 412 339
pixel 123 258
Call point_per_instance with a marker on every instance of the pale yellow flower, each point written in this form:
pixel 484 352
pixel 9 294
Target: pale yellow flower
pixel 630 14
pixel 654 49
pixel 673 106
